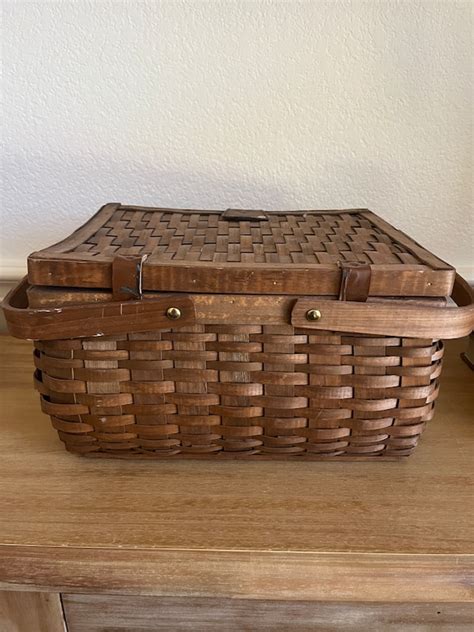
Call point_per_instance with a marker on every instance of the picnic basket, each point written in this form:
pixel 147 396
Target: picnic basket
pixel 238 334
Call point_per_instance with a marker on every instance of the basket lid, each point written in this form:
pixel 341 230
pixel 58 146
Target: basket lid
pixel 238 251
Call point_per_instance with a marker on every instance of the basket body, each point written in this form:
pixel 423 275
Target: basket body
pixel 167 333
pixel 245 391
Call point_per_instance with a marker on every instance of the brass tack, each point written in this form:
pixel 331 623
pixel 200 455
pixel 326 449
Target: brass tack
pixel 173 313
pixel 313 314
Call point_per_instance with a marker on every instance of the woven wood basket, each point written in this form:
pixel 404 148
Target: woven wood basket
pixel 238 334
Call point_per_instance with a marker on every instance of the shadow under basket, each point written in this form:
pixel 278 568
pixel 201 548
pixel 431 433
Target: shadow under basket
pixel 139 354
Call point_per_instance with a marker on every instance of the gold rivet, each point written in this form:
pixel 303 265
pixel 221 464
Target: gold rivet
pixel 173 313
pixel 313 314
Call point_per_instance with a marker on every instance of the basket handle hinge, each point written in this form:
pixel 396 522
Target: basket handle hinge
pixel 355 282
pixel 127 277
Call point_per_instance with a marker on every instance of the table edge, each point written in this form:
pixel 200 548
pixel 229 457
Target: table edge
pixel 283 575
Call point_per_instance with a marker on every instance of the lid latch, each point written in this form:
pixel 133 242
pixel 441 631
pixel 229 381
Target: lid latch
pixel 355 282
pixel 127 273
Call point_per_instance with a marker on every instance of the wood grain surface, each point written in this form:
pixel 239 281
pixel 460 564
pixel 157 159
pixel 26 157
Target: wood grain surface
pixel 31 612
pixel 328 531
pixel 98 613
pixel 242 574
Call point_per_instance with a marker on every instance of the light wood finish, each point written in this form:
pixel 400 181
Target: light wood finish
pixel 468 355
pixel 246 573
pixel 99 613
pixel 350 531
pixel 31 612
pixel 209 251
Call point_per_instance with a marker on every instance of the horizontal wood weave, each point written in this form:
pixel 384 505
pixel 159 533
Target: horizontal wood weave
pixel 253 391
pixel 304 238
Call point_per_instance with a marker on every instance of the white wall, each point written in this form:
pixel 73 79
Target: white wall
pixel 251 104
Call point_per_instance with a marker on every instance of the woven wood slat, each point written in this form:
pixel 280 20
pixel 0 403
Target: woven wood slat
pixel 351 234
pixel 230 391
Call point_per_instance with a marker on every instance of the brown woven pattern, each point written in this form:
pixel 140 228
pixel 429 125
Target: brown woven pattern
pixel 299 238
pixel 239 391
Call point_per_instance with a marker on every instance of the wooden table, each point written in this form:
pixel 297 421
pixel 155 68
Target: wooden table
pixel 183 545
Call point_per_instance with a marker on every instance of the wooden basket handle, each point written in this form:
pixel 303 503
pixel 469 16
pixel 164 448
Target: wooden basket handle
pixel 390 319
pixel 93 319
pixel 102 319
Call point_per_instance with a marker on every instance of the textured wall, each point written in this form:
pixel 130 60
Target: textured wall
pixel 263 104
